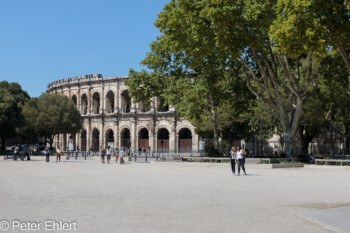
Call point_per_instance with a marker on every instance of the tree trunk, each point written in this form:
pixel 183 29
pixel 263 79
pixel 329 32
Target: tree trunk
pixel 346 59
pixel 288 144
pixel 3 140
pixel 213 120
pixel 290 125
pixel 347 140
pixel 50 142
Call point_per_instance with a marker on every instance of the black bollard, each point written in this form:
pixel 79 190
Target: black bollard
pixel 76 155
pixel 135 156
pixel 146 157
pixel 85 155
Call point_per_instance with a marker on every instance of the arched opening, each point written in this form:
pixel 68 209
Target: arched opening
pixel 126 102
pixel 161 106
pixel 84 104
pixel 110 102
pixel 125 138
pixel 75 100
pixel 163 141
pixel 96 103
pixel 142 108
pixel 83 140
pixel 95 140
pixel 109 138
pixel 143 139
pixel 185 141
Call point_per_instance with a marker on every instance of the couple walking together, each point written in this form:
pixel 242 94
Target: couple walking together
pixel 238 156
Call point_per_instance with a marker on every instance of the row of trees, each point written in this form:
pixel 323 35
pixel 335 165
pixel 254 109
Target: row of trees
pixel 31 118
pixel 225 61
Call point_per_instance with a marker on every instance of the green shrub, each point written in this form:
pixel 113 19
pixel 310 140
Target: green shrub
pixel 223 149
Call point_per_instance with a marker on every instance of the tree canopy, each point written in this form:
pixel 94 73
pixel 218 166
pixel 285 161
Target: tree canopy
pixel 12 100
pixel 49 115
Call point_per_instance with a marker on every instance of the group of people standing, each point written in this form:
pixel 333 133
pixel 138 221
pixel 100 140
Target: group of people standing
pixel 119 154
pixel 238 157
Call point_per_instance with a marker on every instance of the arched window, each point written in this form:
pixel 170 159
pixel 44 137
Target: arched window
pixel 125 138
pixel 95 140
pixel 110 102
pixel 163 141
pixel 126 102
pixel 84 104
pixel 83 140
pixel 109 138
pixel 96 103
pixel 143 139
pixel 75 100
pixel 185 141
pixel 161 106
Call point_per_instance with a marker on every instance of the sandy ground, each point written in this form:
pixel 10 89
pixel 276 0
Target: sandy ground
pixel 172 197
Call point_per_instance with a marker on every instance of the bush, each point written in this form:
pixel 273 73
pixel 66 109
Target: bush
pixel 223 149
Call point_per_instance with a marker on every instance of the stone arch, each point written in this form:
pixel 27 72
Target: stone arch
pixel 185 140
pixel 143 138
pixel 163 140
pixel 110 102
pixel 95 135
pixel 142 108
pixel 161 106
pixel 75 100
pixel 96 103
pixel 84 104
pixel 109 137
pixel 83 140
pixel 125 137
pixel 125 101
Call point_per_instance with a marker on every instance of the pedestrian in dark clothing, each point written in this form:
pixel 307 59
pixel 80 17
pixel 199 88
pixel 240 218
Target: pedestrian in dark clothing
pixel 47 152
pixel 233 159
pixel 240 159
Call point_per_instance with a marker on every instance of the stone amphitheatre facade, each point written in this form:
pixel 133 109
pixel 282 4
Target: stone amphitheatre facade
pixel 111 118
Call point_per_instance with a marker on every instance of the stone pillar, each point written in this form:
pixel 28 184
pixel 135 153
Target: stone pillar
pixel 88 137
pixel 117 135
pixel 102 136
pixel 77 141
pixel 89 102
pixel 177 143
pixel 133 136
pixel 133 107
pixel 172 141
pixel 195 143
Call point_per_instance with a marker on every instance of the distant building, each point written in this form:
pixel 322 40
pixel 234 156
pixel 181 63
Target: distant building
pixel 110 118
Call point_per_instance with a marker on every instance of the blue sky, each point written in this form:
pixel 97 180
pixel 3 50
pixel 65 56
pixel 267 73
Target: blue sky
pixel 45 40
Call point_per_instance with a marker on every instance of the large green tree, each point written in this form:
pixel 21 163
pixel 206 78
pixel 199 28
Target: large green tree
pixel 188 68
pixel 12 100
pixel 313 27
pixel 49 115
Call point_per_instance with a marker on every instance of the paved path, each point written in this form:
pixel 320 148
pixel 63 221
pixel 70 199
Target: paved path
pixel 151 197
pixel 337 219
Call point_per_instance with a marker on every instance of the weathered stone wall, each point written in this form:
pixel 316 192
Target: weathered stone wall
pixel 108 109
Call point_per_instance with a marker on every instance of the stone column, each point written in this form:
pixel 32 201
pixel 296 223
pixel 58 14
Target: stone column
pixel 177 143
pixel 172 141
pixel 88 137
pixel 102 136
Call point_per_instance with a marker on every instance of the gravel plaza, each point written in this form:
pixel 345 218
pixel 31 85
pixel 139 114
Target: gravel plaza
pixel 89 196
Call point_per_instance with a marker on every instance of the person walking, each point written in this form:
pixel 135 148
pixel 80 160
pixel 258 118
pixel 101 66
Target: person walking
pixel 47 152
pixel 121 155
pixel 103 151
pixel 58 157
pixel 233 159
pixel 116 155
pixel 109 153
pixel 139 151
pixel 240 159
